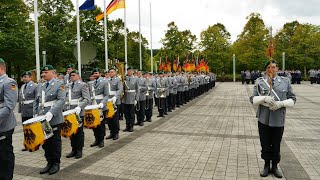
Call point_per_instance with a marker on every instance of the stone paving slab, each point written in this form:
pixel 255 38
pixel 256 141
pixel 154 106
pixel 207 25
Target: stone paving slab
pixel 213 137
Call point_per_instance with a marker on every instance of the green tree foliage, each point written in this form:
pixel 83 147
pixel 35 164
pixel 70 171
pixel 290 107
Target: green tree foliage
pixel 16 39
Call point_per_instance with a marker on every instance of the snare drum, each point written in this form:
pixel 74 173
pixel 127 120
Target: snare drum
pixel 91 116
pixel 110 111
pixel 70 125
pixel 36 131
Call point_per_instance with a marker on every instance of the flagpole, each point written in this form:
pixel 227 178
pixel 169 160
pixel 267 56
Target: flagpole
pixel 78 37
pixel 151 51
pixel 125 39
pixel 140 50
pixel 105 35
pixel 36 34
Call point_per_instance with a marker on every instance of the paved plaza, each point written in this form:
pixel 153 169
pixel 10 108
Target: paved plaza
pixel 213 137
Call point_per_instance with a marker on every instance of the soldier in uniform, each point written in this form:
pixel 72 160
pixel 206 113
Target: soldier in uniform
pixel 151 85
pixel 160 93
pixel 170 97
pixel 130 99
pixel 69 68
pixel 180 82
pixel 271 115
pixel 174 92
pixel 141 104
pixel 100 96
pixel 115 92
pixel 8 100
pixel 27 95
pixel 78 97
pixel 49 102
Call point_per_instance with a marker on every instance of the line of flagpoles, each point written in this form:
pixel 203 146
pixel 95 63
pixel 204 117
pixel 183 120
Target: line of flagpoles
pixel 89 5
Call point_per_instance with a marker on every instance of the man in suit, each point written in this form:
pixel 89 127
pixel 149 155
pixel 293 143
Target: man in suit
pixel 50 101
pixel 115 90
pixel 130 99
pixel 272 104
pixel 100 93
pixel 27 95
pixel 78 97
pixel 8 101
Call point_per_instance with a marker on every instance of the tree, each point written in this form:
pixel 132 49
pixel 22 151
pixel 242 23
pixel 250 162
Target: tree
pixel 251 45
pixel 16 39
pixel 215 43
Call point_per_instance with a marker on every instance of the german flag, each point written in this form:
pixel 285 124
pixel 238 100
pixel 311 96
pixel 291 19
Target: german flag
pixel 114 5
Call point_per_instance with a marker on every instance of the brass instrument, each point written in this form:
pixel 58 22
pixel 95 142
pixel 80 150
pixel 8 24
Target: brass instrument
pixel 121 75
pixel 162 93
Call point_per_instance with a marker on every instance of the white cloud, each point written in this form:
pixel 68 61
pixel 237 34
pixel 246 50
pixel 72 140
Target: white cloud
pixel 197 15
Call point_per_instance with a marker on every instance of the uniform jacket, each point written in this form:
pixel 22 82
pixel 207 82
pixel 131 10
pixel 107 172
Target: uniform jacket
pixel 161 87
pixel 8 101
pixel 100 87
pixel 26 97
pixel 283 89
pixel 131 90
pixel 79 93
pixel 116 89
pixel 151 83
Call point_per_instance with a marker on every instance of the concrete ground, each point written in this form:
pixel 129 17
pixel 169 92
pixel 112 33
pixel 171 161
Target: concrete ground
pixel 213 137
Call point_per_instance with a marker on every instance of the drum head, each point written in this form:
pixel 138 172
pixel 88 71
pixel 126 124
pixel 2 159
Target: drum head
pixel 92 107
pixel 33 120
pixel 66 113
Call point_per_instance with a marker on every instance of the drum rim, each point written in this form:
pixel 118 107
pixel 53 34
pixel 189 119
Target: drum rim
pixel 34 120
pixel 91 107
pixel 67 113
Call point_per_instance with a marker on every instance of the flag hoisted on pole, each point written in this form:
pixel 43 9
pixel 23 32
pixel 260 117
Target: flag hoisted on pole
pixel 113 5
pixel 36 34
pixel 87 5
pixel 151 51
pixel 140 48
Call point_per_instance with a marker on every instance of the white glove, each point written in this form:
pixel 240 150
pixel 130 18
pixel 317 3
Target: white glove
pixel 135 102
pixel 279 104
pixel 49 116
pixel 78 110
pixel 114 99
pixel 264 100
pixel 270 100
pixel 101 105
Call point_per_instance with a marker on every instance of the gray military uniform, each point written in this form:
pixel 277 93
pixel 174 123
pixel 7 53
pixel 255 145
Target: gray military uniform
pixel 283 89
pixel 115 88
pixel 27 95
pixel 131 90
pixel 151 87
pixel 66 79
pixel 8 100
pixel 80 95
pixel 101 91
pixel 142 88
pixel 54 101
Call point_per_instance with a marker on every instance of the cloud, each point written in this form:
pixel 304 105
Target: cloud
pixel 198 15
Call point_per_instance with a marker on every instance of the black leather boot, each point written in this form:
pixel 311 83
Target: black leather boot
pixel 78 154
pixel 55 168
pixel 116 136
pixel 276 171
pixel 46 169
pixel 126 129
pixel 96 143
pixel 109 137
pixel 131 128
pixel 71 154
pixel 266 169
pixel 101 144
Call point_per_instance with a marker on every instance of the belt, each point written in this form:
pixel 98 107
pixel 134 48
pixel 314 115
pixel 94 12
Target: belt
pixel 113 93
pixel 98 97
pixel 2 138
pixel 27 102
pixel 130 91
pixel 49 104
pixel 74 102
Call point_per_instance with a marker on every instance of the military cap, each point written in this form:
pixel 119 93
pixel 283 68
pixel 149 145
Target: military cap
pixel 1 60
pixel 69 66
pixel 47 68
pixel 112 68
pixel 160 73
pixel 106 71
pixel 74 72
pixel 268 62
pixel 26 73
pixel 96 70
pixel 129 68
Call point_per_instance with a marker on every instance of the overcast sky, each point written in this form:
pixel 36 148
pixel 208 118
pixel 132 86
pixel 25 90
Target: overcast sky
pixel 197 15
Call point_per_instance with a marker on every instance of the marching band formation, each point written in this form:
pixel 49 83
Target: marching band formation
pixel 64 105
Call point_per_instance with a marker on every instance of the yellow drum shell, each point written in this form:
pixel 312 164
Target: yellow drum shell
pixel 70 125
pixel 110 111
pixel 33 136
pixel 91 117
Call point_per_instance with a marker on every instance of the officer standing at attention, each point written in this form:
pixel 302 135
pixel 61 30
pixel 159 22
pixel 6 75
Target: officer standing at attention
pixel 27 95
pixel 115 92
pixel 69 68
pixel 151 85
pixel 160 93
pixel 141 105
pixel 8 100
pixel 130 99
pixel 271 114
pixel 51 105
pixel 78 99
pixel 101 96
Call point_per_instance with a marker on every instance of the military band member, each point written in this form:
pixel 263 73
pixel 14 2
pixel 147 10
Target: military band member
pixel 174 93
pixel 100 93
pixel 69 68
pixel 27 95
pixel 78 97
pixel 186 88
pixel 180 90
pixel 115 92
pixel 271 115
pixel 166 106
pixel 49 102
pixel 160 93
pixel 170 97
pixel 141 104
pixel 8 100
pixel 151 85
pixel 130 99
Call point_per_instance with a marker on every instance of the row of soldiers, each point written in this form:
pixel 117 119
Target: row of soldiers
pixel 247 76
pixel 134 97
pixel 314 76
